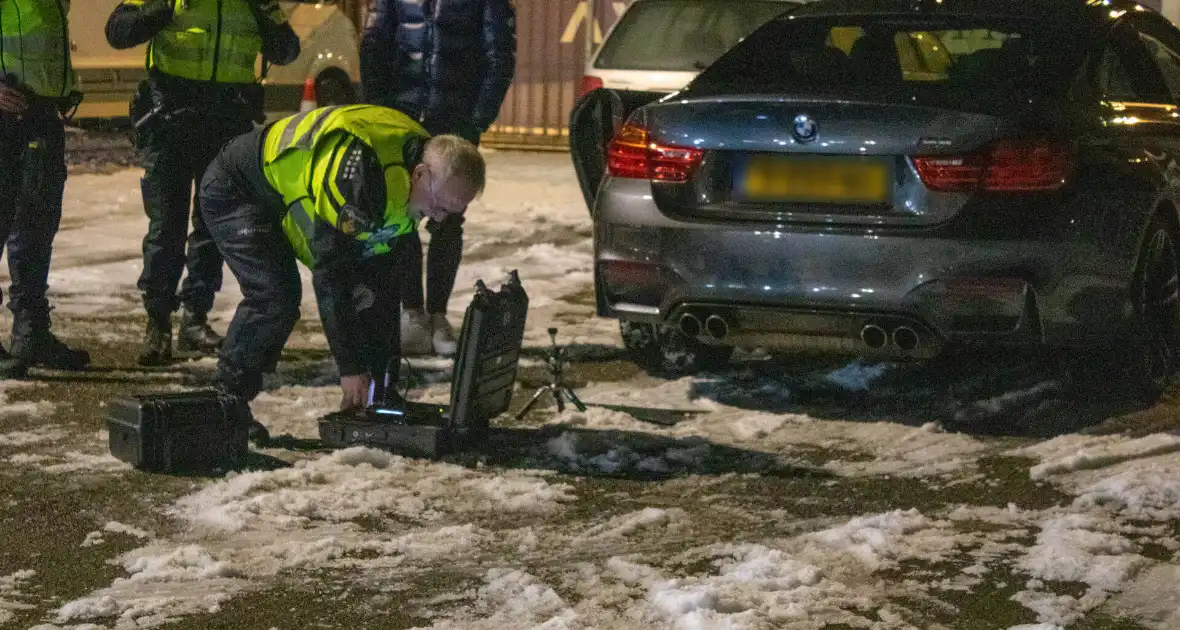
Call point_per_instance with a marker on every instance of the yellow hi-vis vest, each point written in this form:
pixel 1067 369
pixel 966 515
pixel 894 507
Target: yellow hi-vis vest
pixel 302 154
pixel 35 45
pixel 209 40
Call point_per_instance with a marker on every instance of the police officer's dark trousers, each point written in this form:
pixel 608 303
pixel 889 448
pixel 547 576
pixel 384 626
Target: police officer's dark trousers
pixel 32 180
pixel 244 214
pixel 176 154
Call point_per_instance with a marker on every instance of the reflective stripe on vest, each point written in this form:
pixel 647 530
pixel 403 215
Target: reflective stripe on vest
pixel 34 45
pixel 298 225
pixel 209 40
pixel 301 157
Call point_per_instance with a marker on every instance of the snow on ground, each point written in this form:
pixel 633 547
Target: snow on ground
pixel 528 549
pixel 874 448
pixel 10 593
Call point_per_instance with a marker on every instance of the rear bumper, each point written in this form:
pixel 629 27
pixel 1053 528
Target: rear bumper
pixel 781 288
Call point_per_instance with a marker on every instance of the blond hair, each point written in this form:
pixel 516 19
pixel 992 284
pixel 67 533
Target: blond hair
pixel 449 155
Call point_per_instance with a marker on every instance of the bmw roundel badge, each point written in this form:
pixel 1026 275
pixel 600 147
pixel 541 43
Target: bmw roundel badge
pixel 805 129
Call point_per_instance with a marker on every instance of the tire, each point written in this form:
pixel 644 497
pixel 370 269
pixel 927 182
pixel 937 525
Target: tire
pixel 1147 362
pixel 665 352
pixel 334 88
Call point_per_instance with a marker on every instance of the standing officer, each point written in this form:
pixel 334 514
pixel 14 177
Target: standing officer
pixel 36 90
pixel 446 64
pixel 332 188
pixel 200 92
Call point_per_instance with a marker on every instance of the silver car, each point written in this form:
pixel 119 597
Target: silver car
pixel 891 178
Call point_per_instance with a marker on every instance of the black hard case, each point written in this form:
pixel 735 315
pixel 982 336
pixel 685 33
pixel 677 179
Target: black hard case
pixel 483 380
pixel 195 431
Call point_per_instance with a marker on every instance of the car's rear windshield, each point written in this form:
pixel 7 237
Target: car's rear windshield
pixel 682 35
pixel 967 63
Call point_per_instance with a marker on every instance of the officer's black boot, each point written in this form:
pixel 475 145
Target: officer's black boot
pixel 11 367
pixel 157 341
pixel 196 335
pixel 34 344
pixel 257 434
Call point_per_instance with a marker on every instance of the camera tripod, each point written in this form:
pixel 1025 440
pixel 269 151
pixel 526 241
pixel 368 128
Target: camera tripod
pixel 555 365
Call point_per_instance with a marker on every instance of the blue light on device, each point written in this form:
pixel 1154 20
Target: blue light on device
pixel 390 412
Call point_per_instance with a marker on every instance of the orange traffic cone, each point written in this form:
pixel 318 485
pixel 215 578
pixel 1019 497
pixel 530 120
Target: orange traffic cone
pixel 308 103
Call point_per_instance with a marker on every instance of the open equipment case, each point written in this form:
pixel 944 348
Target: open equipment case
pixel 486 361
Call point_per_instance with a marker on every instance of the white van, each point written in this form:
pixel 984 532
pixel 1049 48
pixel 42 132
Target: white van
pixel 330 56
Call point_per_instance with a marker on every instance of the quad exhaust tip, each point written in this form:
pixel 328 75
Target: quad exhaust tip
pixel 717 327
pixel 905 338
pixel 874 336
pixel 690 326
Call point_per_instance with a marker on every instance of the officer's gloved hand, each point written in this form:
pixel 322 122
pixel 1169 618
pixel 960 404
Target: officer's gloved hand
pixel 12 100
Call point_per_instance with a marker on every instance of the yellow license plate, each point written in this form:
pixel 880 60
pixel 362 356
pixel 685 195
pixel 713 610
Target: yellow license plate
pixel 815 180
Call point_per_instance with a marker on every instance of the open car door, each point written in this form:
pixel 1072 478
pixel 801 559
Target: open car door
pixel 593 123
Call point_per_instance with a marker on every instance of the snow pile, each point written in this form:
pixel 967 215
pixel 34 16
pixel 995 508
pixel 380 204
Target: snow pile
pixel 822 578
pixel 296 409
pixel 256 524
pixel 1076 548
pixel 1152 598
pixel 857 376
pixel 36 435
pixel 851 448
pixel 1105 453
pixel 21 412
pixel 893 449
pixel 1135 477
pixel 70 462
pixel 663 522
pixel 882 540
pixel 360 482
pixel 1145 490
pixel 743 389
pixel 754 585
pixel 607 453
pixel 1018 403
pixel 10 594
pixel 164 581
pixel 828 574
pixel 510 598
pixel 114 527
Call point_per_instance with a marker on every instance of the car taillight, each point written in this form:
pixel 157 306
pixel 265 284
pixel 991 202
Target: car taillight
pixel 588 85
pixel 1006 165
pixel 632 155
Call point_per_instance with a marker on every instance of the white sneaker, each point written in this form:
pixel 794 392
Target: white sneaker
pixel 443 336
pixel 415 333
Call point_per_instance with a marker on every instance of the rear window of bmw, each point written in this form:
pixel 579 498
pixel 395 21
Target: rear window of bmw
pixel 682 35
pixel 967 63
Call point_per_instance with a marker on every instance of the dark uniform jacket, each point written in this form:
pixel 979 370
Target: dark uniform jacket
pixel 445 63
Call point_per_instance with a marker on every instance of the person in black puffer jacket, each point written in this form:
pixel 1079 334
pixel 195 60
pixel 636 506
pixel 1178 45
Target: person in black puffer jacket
pixel 448 65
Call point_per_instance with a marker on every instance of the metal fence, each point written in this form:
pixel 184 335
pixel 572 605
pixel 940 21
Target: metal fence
pixel 551 52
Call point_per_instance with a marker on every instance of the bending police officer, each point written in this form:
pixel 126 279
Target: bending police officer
pixel 336 189
pixel 201 91
pixel 37 87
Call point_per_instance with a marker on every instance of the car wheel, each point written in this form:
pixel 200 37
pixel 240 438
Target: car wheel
pixel 1146 361
pixel 333 88
pixel 663 351
pixel 1155 346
